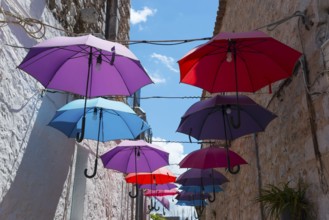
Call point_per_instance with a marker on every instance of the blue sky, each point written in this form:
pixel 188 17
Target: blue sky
pixel 169 20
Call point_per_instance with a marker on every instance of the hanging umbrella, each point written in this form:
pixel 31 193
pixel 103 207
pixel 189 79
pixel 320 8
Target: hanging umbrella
pixel 106 120
pixel 244 62
pixel 170 192
pixel 210 118
pixel 202 177
pixel 192 196
pixel 201 189
pixel 165 204
pixel 135 156
pixel 159 176
pixel 212 157
pixel 85 65
pixel 165 186
pixel 215 118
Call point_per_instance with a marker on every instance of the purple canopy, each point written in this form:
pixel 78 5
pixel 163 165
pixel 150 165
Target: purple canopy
pixel 164 201
pixel 197 177
pixel 214 118
pixel 166 186
pixel 134 157
pixel 85 65
pixel 192 196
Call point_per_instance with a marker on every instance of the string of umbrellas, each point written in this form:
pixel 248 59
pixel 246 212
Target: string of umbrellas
pixel 94 68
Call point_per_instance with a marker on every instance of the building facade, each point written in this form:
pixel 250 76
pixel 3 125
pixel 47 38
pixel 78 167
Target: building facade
pixel 41 170
pixel 295 145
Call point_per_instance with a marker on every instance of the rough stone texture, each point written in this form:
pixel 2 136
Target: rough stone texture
pixel 286 148
pixel 38 164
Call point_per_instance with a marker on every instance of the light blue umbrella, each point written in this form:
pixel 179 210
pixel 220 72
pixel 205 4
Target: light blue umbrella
pixel 105 120
pixel 200 189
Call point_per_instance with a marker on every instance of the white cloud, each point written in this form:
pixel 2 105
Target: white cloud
pixel 169 62
pixel 157 79
pixel 138 16
pixel 176 154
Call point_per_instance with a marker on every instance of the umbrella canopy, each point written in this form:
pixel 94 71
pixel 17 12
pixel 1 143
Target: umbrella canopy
pixel 164 201
pixel 201 177
pixel 135 156
pixel 201 189
pixel 212 157
pixel 105 119
pixel 245 62
pixel 166 186
pixel 85 65
pixel 170 192
pixel 192 196
pixel 118 120
pixel 212 118
pixel 159 176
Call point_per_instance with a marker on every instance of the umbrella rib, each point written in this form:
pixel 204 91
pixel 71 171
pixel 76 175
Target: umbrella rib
pixel 148 164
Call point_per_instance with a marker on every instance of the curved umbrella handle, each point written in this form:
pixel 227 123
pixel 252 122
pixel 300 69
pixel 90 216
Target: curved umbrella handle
pixel 95 170
pixel 229 164
pixel 163 211
pixel 150 208
pixel 134 196
pixel 234 171
pixel 80 136
pixel 238 124
pixel 213 187
pixel 155 206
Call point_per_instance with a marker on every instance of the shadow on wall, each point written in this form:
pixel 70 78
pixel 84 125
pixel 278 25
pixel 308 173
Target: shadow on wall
pixel 40 178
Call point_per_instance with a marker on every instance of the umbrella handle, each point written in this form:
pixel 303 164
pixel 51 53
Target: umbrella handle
pixel 95 170
pixel 80 136
pixel 234 171
pixel 213 195
pixel 163 211
pixel 238 124
pixel 196 216
pixel 134 196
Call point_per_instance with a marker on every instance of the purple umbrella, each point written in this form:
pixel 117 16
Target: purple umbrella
pixel 165 203
pixel 135 156
pixel 85 65
pixel 202 177
pixel 214 119
pixel 210 118
pixel 165 186
pixel 192 196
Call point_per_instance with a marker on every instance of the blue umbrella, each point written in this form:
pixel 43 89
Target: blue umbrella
pixel 199 189
pixel 105 120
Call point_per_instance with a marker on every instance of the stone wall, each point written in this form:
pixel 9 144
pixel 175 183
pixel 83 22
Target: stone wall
pixel 41 170
pixel 295 145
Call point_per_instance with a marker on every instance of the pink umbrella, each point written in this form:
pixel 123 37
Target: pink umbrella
pixel 170 192
pixel 212 157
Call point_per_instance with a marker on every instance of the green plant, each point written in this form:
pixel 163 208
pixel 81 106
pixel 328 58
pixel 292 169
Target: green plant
pixel 156 217
pixel 283 200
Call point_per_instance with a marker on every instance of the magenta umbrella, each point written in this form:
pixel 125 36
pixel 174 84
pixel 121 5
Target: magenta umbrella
pixel 87 66
pixel 135 156
pixel 212 157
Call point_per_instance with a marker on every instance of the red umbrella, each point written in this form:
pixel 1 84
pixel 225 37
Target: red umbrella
pixel 244 62
pixel 159 176
pixel 212 157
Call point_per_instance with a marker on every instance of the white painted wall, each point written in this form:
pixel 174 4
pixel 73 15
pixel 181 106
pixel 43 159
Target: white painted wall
pixel 38 175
